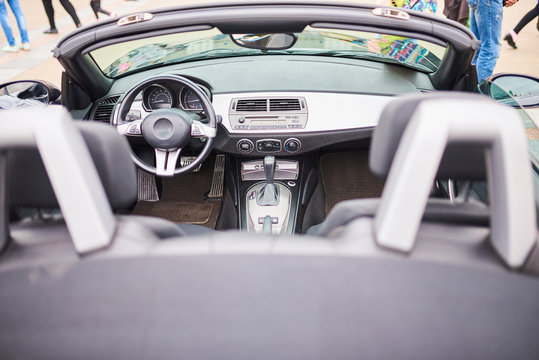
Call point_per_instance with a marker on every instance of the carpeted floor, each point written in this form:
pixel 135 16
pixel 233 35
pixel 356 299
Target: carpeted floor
pixel 183 199
pixel 346 176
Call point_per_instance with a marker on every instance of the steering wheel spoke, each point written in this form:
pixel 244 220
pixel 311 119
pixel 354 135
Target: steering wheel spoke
pixel 131 129
pixel 165 161
pixel 199 129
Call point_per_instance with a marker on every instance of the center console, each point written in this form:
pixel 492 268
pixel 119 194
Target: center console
pixel 268 193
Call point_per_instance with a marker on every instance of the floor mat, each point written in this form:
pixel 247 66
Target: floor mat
pixel 180 212
pixel 346 175
pixel 183 199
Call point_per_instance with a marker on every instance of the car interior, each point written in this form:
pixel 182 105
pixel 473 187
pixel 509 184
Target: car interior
pixel 276 206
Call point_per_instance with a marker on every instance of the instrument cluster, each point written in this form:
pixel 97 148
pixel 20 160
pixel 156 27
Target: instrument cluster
pixel 164 96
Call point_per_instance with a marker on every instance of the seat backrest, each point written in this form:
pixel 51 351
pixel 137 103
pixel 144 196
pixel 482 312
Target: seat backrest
pixel 465 161
pixel 442 123
pixel 29 184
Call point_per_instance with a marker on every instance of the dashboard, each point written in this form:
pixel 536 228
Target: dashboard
pixel 280 106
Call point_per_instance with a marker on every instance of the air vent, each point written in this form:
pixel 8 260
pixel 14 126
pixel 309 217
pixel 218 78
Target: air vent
pixel 103 112
pixel 284 105
pixel 249 105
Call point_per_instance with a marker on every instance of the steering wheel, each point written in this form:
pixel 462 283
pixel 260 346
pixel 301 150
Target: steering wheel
pixel 168 131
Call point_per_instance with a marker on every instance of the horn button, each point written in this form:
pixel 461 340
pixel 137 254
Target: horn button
pixel 167 129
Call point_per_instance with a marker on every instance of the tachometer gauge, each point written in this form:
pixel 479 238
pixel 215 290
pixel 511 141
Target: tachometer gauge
pixel 190 100
pixel 157 97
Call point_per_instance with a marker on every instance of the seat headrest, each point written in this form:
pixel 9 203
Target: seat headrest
pixel 29 186
pixel 465 161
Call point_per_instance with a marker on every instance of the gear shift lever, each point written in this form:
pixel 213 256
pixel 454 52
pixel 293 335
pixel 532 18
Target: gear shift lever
pixel 269 168
pixel 269 194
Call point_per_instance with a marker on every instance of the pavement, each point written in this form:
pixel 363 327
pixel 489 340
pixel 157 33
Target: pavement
pixel 39 63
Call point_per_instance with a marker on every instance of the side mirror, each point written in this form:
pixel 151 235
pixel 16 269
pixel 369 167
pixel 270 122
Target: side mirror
pixel 277 41
pixel 27 93
pixel 523 89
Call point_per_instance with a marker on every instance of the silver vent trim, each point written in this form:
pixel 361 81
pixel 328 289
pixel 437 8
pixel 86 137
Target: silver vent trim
pixel 109 100
pixel 104 109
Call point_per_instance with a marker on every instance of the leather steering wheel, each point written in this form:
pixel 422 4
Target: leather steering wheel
pixel 168 131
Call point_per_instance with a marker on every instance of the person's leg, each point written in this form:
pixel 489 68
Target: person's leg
pixel 488 19
pixel 473 25
pixel 511 36
pixel 4 19
pixel 103 11
pixel 530 15
pixel 95 8
pixel 49 10
pixel 21 21
pixel 71 11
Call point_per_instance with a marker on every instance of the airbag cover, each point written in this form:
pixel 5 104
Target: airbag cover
pixel 167 129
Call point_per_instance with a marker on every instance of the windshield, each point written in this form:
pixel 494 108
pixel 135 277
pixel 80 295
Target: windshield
pixel 130 56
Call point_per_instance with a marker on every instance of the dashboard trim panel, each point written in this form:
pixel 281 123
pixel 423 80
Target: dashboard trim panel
pixel 327 111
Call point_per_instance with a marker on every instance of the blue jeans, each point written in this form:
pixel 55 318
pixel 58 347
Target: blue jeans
pixel 486 24
pixel 21 21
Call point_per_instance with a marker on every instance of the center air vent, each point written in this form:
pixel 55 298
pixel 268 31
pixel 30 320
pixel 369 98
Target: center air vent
pixel 249 105
pixel 103 111
pixel 272 113
pixel 284 104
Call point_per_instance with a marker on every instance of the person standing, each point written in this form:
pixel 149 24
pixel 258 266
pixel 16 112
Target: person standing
pixel 457 10
pixel 486 24
pixel 511 37
pixel 21 23
pixel 49 10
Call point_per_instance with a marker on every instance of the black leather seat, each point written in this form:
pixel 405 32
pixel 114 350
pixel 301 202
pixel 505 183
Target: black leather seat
pixel 29 186
pixel 460 162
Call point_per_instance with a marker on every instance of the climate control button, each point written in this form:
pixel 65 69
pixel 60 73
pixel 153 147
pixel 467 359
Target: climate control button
pixel 292 145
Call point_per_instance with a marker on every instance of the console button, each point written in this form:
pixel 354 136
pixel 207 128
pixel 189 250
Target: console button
pixel 268 145
pixel 245 145
pixel 292 145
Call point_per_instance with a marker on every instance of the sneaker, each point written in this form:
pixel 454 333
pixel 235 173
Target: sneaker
pixel 11 49
pixel 25 47
pixel 51 31
pixel 510 40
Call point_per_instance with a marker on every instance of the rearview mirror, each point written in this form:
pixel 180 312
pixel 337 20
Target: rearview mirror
pixel 279 41
pixel 27 93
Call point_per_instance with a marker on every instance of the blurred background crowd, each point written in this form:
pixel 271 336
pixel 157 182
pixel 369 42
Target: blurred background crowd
pixel 31 28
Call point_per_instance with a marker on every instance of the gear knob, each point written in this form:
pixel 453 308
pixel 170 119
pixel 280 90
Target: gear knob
pixel 269 168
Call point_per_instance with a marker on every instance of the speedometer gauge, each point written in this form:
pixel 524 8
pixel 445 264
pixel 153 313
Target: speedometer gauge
pixel 190 100
pixel 157 97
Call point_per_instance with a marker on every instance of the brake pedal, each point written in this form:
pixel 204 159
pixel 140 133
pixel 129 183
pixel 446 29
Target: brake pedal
pixel 186 160
pixel 217 183
pixel 147 190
